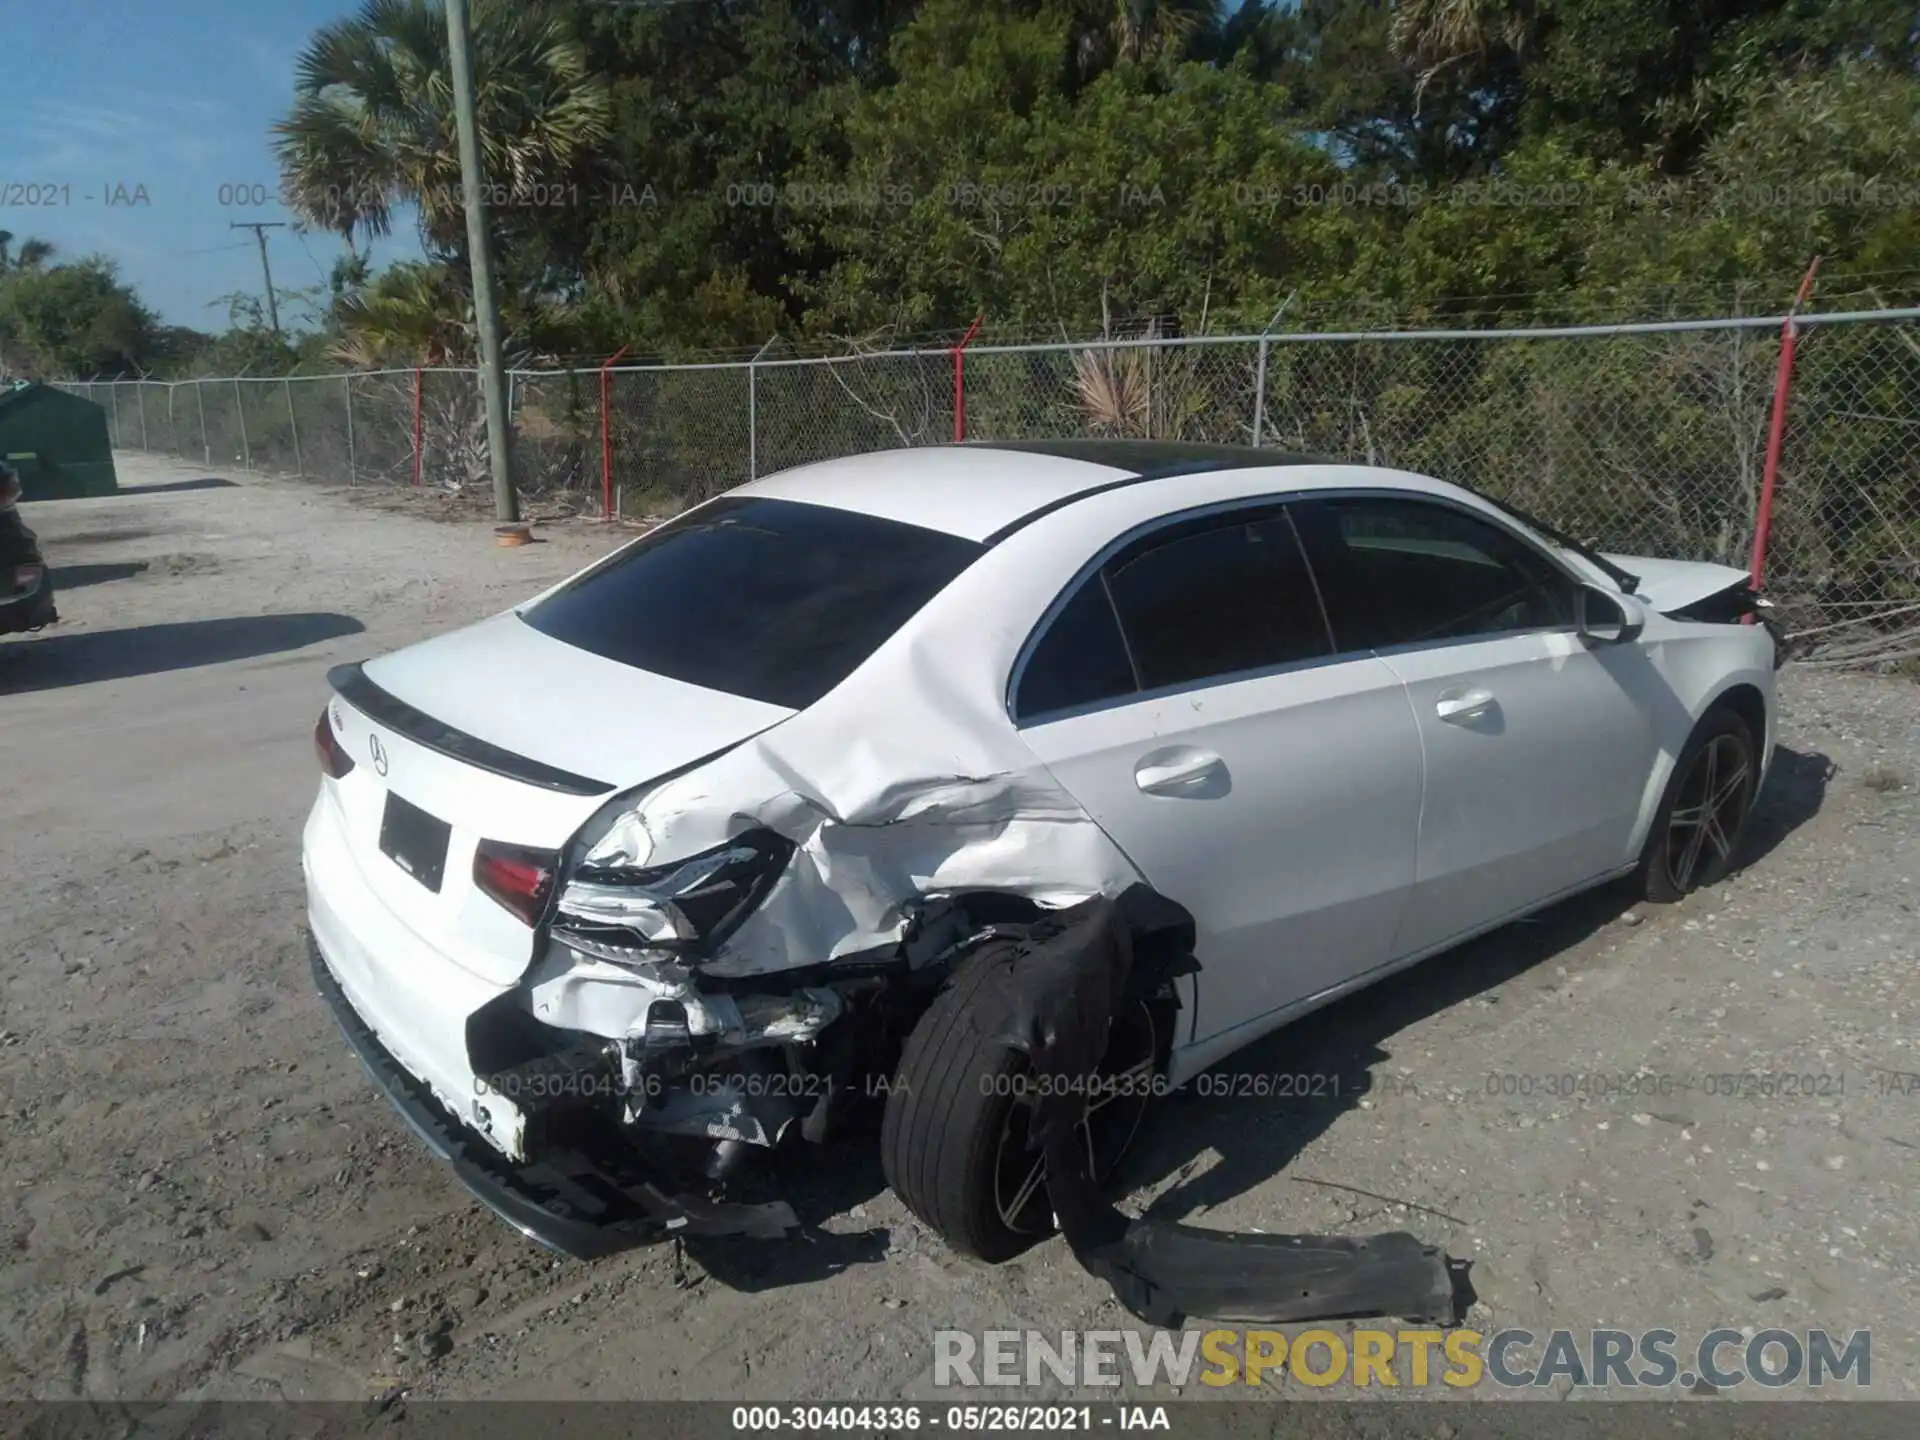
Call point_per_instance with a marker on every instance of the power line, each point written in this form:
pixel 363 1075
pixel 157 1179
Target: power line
pixel 301 237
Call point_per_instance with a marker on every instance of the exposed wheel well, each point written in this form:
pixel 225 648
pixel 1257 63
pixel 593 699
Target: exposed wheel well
pixel 1751 706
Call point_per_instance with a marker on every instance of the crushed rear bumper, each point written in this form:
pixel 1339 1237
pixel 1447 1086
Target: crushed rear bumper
pixel 567 1200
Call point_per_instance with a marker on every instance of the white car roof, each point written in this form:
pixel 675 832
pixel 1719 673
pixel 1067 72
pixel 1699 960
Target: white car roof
pixel 980 490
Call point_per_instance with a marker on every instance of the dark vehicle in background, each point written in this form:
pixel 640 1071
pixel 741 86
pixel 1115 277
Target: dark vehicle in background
pixel 26 589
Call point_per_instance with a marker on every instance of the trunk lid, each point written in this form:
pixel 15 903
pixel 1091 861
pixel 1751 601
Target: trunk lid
pixel 507 684
pixel 497 732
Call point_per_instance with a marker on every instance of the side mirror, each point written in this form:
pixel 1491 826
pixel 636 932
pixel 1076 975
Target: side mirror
pixel 1604 618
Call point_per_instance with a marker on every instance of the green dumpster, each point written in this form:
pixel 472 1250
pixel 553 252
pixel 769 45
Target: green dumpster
pixel 58 442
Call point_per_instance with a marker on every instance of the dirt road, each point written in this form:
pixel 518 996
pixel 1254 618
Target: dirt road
pixel 203 1195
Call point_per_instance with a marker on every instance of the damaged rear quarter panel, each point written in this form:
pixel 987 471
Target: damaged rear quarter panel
pixel 907 780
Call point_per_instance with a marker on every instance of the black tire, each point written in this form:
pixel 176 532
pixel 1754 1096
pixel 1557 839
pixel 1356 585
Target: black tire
pixel 954 1127
pixel 1679 859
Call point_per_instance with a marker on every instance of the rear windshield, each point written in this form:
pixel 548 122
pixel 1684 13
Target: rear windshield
pixel 770 599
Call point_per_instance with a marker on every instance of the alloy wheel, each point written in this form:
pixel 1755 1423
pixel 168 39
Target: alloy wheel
pixel 1107 1130
pixel 1709 811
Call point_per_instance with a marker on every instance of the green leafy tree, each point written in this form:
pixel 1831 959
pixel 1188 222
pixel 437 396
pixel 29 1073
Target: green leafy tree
pixel 1157 193
pixel 76 319
pixel 716 109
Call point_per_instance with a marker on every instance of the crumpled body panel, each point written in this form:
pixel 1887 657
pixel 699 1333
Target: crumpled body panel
pixel 889 795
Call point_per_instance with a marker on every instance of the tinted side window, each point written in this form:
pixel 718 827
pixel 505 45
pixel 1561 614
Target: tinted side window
pixel 1080 660
pixel 1217 596
pixel 1404 572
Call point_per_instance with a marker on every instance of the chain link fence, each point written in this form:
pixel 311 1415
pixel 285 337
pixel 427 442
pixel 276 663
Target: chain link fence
pixel 1642 439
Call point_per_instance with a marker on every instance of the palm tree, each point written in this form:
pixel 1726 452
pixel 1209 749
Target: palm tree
pixel 32 254
pixel 372 126
pixel 1430 35
pixel 412 313
pixel 1110 32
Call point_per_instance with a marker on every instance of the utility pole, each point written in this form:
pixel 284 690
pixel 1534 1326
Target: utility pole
pixel 486 315
pixel 260 228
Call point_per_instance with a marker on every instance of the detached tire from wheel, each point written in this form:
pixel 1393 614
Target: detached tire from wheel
pixel 953 1143
pixel 1695 838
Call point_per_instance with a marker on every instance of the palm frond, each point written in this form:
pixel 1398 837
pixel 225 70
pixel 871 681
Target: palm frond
pixel 1112 390
pixel 372 126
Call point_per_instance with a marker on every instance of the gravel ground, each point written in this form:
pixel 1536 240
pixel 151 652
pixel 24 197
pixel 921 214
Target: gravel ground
pixel 204 1197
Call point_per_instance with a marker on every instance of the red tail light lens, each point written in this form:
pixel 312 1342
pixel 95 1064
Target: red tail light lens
pixel 334 760
pixel 517 878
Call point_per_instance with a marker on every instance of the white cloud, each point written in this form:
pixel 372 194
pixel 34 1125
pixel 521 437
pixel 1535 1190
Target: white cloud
pixel 64 138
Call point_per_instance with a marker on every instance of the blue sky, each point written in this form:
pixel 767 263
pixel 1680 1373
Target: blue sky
pixel 175 96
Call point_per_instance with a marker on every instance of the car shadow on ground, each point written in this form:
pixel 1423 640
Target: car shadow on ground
pixel 1796 786
pixel 82 657
pixel 52 539
pixel 174 487
pixel 78 577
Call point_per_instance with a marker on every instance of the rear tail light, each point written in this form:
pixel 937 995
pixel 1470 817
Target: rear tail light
pixel 334 760
pixel 27 577
pixel 515 877
pixel 688 908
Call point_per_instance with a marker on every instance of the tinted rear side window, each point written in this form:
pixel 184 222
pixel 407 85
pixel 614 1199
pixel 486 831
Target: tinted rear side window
pixel 1216 597
pixel 1081 660
pixel 1195 601
pixel 771 599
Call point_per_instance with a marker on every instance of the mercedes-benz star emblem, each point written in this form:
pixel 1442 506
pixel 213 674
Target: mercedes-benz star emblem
pixel 379 753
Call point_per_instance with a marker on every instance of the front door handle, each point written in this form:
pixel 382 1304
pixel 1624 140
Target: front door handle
pixel 1180 771
pixel 1460 706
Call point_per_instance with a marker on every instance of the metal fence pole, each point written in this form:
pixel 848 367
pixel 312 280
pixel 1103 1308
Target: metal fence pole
pixel 293 424
pixel 353 477
pixel 608 499
pixel 246 445
pixel 173 445
pixel 206 447
pixel 753 408
pixel 140 397
pixel 960 380
pixel 113 389
pixel 1777 429
pixel 1260 375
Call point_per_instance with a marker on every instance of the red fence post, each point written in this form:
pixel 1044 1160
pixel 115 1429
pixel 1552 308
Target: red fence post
pixel 960 379
pixel 1777 428
pixel 606 433
pixel 416 425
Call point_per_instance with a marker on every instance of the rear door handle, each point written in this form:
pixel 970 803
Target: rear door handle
pixel 1177 772
pixel 1460 706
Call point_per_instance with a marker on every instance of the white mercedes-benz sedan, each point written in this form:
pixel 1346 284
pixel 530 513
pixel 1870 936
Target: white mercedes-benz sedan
pixel 742 833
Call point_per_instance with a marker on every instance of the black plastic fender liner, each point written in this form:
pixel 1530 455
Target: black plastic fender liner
pixel 1055 1000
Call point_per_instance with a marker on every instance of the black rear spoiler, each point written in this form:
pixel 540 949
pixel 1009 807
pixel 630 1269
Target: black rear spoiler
pixel 350 682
